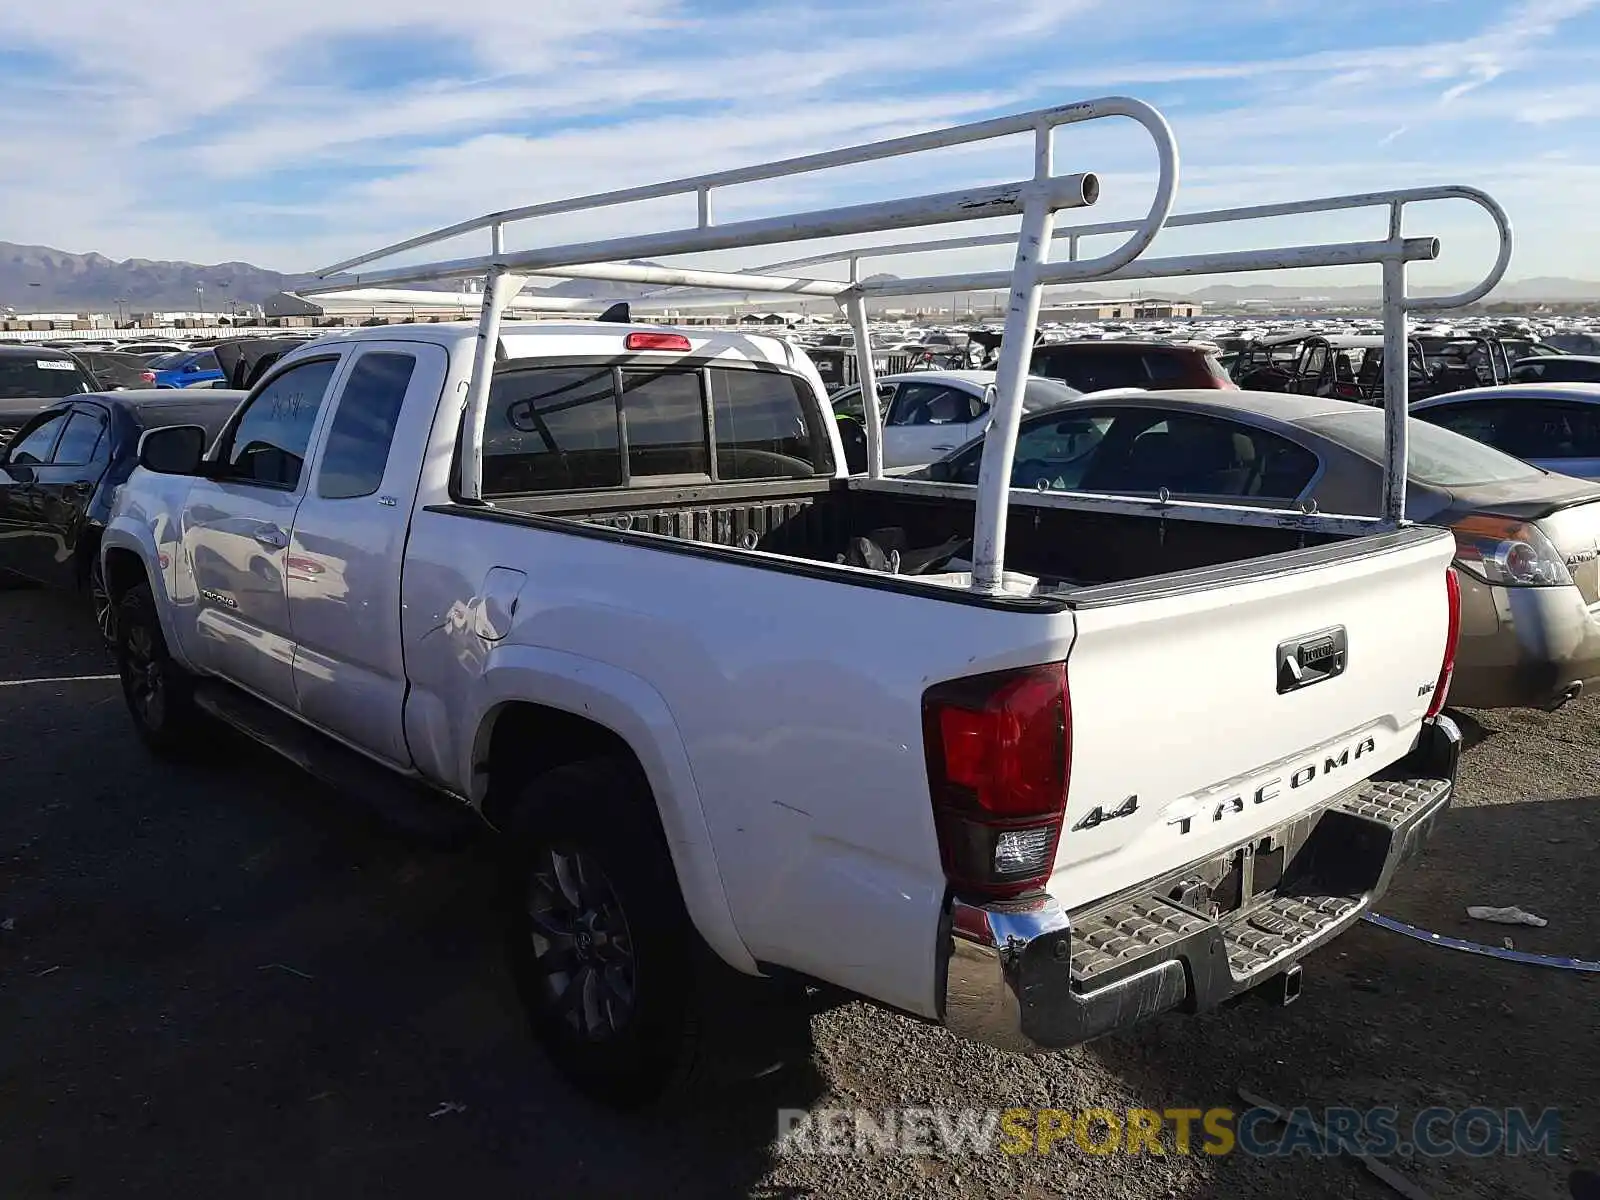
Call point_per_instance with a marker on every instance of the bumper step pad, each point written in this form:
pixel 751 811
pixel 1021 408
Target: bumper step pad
pixel 1383 815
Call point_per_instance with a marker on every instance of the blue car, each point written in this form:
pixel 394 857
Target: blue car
pixel 188 370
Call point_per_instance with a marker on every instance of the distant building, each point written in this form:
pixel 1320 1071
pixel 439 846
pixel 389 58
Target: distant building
pixel 1148 309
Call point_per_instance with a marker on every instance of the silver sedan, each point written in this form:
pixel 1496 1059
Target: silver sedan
pixel 1527 540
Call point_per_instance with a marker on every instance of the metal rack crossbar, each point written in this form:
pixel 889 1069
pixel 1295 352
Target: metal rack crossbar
pixel 1036 200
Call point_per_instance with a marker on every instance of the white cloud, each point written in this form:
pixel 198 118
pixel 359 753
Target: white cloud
pixel 251 154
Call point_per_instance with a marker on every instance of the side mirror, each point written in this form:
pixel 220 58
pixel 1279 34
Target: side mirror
pixel 189 368
pixel 175 450
pixel 939 470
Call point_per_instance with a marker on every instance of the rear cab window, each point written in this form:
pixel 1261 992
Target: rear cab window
pixel 554 427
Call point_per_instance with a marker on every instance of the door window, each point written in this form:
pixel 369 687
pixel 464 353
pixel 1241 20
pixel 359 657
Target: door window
pixel 80 440
pixel 35 448
pixel 934 404
pixel 268 441
pixel 363 426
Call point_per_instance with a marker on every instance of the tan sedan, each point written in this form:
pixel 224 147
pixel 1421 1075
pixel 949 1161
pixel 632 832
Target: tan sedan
pixel 1528 540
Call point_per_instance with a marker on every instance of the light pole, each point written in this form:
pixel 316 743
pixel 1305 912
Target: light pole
pixel 200 299
pixel 120 301
pixel 225 305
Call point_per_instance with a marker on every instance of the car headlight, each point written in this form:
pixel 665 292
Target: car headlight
pixel 1508 553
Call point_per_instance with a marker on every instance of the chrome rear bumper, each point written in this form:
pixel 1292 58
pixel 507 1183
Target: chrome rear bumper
pixel 1029 975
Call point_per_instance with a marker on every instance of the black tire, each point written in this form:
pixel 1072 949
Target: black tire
pixel 629 1003
pixel 101 606
pixel 159 693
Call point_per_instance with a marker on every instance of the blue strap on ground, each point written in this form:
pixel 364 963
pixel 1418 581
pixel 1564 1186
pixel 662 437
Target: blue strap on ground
pixel 1450 943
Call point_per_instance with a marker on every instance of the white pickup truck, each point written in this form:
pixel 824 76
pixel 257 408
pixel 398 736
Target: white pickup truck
pixel 754 728
pixel 1033 817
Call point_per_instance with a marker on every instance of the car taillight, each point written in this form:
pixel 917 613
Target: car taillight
pixel 1447 670
pixel 1508 553
pixel 656 341
pixel 999 750
pixel 147 376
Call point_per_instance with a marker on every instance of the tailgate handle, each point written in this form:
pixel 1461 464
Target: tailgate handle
pixel 1311 658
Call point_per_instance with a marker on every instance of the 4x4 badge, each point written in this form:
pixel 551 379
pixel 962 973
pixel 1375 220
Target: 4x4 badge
pixel 1099 816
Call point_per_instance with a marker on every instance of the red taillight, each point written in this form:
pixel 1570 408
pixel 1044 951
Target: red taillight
pixel 1441 690
pixel 656 341
pixel 147 376
pixel 998 748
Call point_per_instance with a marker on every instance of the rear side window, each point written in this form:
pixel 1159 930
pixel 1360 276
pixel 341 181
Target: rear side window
pixel 1434 456
pixel 761 426
pixel 363 426
pixel 564 428
pixel 1525 428
pixel 80 440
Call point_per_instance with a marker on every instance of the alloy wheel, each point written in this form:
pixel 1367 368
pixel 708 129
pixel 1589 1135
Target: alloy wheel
pixel 581 943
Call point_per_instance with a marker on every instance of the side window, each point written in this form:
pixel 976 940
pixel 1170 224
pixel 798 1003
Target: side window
pixel 1478 421
pixel 1198 456
pixel 933 404
pixel 1314 362
pixel 1056 451
pixel 363 426
pixel 267 444
pixel 665 418
pixel 206 362
pixel 80 440
pixel 762 432
pixel 1548 429
pixel 551 429
pixel 848 403
pixel 35 447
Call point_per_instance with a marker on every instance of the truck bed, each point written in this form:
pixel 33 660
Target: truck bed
pixel 820 519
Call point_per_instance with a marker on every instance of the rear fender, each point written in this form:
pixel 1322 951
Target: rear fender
pixel 633 710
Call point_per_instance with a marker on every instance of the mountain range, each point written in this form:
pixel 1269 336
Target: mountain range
pixel 42 279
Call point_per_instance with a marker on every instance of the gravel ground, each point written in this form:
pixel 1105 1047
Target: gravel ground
pixel 225 980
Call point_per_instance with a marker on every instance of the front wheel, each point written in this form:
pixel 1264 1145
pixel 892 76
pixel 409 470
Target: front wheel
pixel 159 693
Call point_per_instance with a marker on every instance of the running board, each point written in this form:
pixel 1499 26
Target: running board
pixel 402 803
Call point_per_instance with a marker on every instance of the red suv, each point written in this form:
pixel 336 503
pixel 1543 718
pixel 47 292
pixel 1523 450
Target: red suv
pixel 1154 366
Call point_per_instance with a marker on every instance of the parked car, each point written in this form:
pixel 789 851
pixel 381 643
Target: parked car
pixel 926 414
pixel 1526 538
pixel 729 751
pixel 1557 368
pixel 32 377
pixel 112 369
pixel 1125 363
pixel 60 473
pixel 1552 425
pixel 153 347
pixel 195 368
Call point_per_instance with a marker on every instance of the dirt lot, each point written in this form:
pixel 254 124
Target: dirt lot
pixel 225 981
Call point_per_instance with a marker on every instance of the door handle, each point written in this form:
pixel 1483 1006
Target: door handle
pixel 272 537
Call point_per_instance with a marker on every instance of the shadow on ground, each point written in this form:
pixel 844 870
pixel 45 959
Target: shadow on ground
pixel 225 975
pixel 1388 1021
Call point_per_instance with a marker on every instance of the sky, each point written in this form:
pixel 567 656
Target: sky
pixel 292 133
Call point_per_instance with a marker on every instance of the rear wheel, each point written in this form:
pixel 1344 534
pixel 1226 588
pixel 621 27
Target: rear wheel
pixel 159 693
pixel 627 1000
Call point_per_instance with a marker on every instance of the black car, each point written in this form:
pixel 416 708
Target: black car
pixel 1558 368
pixel 60 472
pixel 32 377
pixel 113 370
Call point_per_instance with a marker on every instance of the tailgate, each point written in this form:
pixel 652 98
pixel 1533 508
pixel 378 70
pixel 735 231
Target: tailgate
pixel 1219 705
